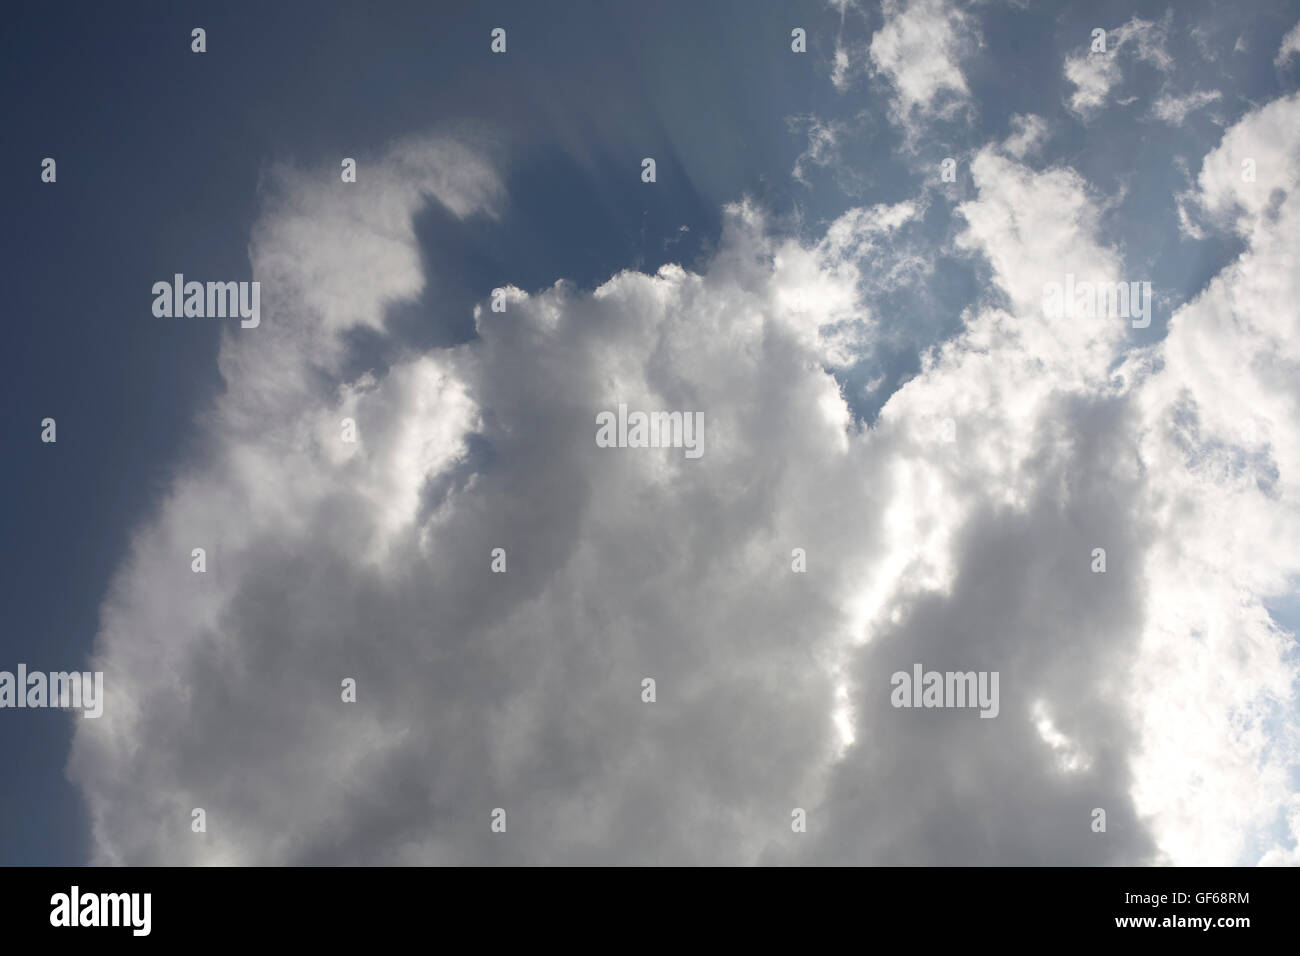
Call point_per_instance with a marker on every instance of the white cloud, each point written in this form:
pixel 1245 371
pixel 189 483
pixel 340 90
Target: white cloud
pixel 823 145
pixel 841 73
pixel 1290 46
pixel 1028 134
pixel 1095 74
pixel 1219 402
pixel 1173 109
pixel 918 49
pixel 371 561
pixel 522 690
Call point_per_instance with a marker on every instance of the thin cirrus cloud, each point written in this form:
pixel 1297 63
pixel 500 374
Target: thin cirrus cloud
pixel 1161 690
pixel 1173 109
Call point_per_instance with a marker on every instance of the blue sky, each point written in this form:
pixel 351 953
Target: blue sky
pixel 171 161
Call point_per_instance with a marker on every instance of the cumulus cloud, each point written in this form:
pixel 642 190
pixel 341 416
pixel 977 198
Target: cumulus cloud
pixel 522 690
pixel 371 561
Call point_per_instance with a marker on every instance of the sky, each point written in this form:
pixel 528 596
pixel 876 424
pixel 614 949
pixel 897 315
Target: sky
pixel 841 266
